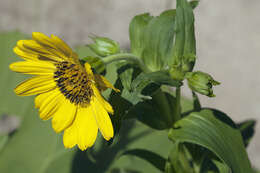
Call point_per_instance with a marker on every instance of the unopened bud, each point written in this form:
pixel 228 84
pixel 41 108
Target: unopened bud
pixel 201 82
pixel 103 46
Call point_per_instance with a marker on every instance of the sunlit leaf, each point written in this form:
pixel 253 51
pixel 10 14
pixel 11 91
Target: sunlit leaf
pixel 214 133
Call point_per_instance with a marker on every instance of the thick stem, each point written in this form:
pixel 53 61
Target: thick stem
pixel 177 111
pixel 128 57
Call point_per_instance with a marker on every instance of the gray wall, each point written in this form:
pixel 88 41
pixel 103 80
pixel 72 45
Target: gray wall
pixel 228 40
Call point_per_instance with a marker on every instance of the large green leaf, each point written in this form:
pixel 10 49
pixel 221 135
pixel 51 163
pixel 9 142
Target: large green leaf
pixel 214 133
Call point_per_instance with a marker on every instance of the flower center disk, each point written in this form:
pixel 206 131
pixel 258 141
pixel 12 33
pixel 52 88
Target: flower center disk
pixel 73 83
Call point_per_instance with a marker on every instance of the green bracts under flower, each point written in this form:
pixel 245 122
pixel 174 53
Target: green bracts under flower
pixel 201 82
pixel 103 46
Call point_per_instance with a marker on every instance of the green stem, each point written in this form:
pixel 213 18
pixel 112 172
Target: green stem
pixel 126 56
pixel 177 111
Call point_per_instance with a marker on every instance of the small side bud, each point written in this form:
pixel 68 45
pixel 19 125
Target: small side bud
pixel 201 82
pixel 103 46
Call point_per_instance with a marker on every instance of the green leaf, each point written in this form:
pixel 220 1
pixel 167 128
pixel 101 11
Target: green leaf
pixel 185 44
pixel 247 129
pixel 137 28
pixel 209 166
pixel 151 157
pixel 125 73
pixel 179 159
pixel 148 113
pixel 144 85
pixel 222 168
pixel 152 38
pixel 210 131
pixel 158 41
pixel 184 47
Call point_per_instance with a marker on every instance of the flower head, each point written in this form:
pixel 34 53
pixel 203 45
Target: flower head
pixel 67 91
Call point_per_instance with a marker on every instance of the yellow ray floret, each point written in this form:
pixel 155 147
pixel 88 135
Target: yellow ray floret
pixel 67 92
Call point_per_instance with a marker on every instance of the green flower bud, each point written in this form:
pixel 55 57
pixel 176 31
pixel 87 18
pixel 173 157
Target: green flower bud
pixel 103 46
pixel 201 82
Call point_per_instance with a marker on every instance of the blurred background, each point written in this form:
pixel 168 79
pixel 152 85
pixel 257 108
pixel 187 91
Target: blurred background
pixel 227 32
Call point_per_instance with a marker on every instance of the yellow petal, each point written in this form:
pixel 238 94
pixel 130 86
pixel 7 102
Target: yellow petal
pixel 31 46
pixel 101 100
pixel 70 136
pixel 48 103
pixel 87 128
pixel 42 39
pixel 102 83
pixel 31 50
pixel 25 55
pixel 61 45
pixel 41 48
pixel 35 85
pixel 49 44
pixel 83 131
pixel 64 116
pixel 88 69
pixel 33 67
pixel 39 99
pixel 102 118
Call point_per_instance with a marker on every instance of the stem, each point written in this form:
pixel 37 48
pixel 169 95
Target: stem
pixel 177 111
pixel 126 56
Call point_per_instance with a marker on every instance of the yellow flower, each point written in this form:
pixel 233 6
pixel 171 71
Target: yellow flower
pixel 67 91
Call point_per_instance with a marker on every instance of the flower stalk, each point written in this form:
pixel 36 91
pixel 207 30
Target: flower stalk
pixel 128 57
pixel 177 110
